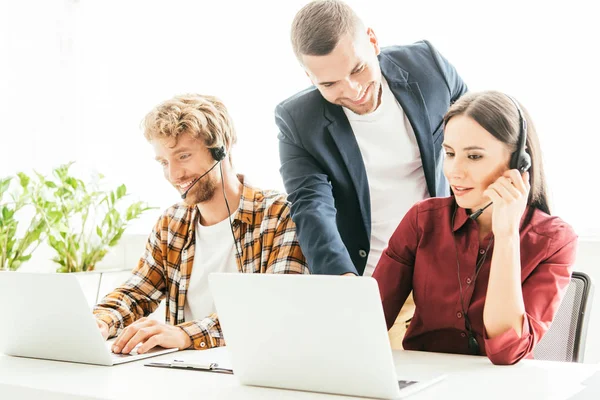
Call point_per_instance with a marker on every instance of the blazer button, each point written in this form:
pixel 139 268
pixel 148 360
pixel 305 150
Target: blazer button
pixel 362 253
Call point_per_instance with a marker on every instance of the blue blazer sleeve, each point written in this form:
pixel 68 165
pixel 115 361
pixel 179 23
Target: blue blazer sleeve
pixel 313 207
pixel 456 85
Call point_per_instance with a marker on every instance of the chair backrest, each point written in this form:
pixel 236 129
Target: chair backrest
pixel 565 340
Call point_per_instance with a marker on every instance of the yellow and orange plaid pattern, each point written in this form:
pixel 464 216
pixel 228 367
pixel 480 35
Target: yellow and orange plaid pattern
pixel 262 226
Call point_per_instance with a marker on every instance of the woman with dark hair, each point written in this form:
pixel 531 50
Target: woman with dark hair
pixel 489 265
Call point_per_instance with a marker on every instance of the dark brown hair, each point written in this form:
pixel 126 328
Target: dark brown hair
pixel 497 114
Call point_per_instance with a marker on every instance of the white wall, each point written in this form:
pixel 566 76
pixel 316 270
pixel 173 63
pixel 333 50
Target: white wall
pixel 77 77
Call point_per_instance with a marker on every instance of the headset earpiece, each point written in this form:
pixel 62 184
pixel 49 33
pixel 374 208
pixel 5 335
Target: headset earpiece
pixel 520 159
pixel 218 153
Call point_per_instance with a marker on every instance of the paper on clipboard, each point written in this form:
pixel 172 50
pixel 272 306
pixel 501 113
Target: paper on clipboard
pixel 214 360
pixel 180 364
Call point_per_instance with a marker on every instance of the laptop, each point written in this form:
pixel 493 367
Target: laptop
pixel 309 332
pixel 47 316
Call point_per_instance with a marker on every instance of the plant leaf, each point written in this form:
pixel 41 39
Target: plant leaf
pixel 116 238
pixel 4 184
pixel 7 213
pixel 72 182
pixel 23 179
pixel 121 191
pixel 25 258
pixel 14 265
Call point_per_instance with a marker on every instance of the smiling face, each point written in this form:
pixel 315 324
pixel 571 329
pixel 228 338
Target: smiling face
pixel 350 75
pixel 183 161
pixel 474 160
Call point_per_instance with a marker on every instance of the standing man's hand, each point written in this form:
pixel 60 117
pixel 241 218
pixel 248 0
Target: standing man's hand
pixel 103 326
pixel 150 333
pixel 349 274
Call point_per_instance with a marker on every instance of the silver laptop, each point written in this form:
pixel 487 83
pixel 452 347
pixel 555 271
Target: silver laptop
pixel 47 316
pixel 314 333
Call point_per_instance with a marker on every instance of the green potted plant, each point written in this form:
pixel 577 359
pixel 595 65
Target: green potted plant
pixel 16 202
pixel 89 220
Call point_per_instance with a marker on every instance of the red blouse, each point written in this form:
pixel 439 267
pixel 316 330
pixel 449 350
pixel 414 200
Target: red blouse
pixel 421 257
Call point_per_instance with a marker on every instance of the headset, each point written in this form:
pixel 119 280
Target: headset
pixel 519 159
pixel 219 154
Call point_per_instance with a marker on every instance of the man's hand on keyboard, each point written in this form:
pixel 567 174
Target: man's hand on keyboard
pixel 103 326
pixel 150 333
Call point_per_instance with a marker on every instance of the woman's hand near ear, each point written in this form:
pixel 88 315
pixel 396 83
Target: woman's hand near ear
pixel 509 194
pixel 504 308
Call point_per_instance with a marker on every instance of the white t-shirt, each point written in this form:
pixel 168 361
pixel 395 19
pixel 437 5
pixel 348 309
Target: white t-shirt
pixel 214 252
pixel 394 168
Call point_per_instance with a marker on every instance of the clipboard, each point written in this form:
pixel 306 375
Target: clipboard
pixel 180 364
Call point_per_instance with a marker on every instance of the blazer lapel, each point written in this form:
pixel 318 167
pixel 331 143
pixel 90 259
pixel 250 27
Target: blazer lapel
pixel 410 98
pixel 341 132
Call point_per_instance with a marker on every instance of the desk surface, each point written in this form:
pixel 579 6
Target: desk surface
pixel 22 378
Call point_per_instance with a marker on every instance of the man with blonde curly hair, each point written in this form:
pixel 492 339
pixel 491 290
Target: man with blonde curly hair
pixel 222 225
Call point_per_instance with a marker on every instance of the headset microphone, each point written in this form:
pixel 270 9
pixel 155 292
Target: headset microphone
pixel 520 159
pixel 477 213
pixel 218 154
pixel 184 195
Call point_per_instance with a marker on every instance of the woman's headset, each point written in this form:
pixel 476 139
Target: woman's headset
pixel 519 159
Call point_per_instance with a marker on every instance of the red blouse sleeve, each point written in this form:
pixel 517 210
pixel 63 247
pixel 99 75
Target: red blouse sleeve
pixel 394 271
pixel 543 292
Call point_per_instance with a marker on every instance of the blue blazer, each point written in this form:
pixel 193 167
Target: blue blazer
pixel 322 167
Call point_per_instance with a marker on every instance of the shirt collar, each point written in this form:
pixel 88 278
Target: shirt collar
pixel 460 218
pixel 250 204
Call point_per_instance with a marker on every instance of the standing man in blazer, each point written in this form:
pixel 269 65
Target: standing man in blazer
pixel 363 144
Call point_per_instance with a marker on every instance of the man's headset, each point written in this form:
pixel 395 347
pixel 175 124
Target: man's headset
pixel 218 154
pixel 520 159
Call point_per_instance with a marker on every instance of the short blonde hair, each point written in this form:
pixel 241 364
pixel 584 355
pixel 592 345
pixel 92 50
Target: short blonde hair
pixel 201 116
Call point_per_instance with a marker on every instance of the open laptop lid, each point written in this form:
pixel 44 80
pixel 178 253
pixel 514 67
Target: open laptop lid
pixel 315 333
pixel 46 316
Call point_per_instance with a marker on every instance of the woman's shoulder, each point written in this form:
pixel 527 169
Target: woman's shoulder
pixel 552 227
pixel 434 204
pixel 430 212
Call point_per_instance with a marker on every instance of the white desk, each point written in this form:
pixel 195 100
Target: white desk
pixel 468 377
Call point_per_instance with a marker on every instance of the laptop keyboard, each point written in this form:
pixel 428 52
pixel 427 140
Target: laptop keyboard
pixel 403 384
pixel 133 352
pixel 120 355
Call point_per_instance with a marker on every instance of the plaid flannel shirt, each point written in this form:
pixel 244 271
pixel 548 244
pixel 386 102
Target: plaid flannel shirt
pixel 262 226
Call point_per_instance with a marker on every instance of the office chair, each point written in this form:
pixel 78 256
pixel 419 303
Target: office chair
pixel 565 340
